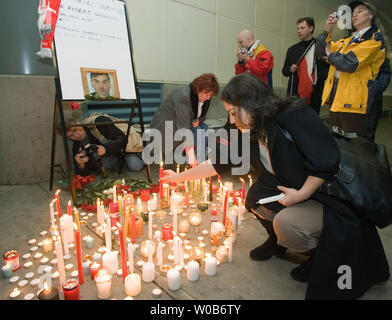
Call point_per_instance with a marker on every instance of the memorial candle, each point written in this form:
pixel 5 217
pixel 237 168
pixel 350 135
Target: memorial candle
pixel 159 254
pixel 225 207
pixel 114 190
pixel 108 236
pixel 126 223
pixel 48 293
pixel 57 196
pixel 94 267
pixel 210 266
pixel 77 221
pixel 133 285
pixel 150 216
pixel 123 254
pixel 103 280
pixel 250 181
pixel 175 221
pixel 51 212
pixel 71 289
pixel 160 181
pixel 243 190
pixel 130 257
pixel 133 226
pixel 192 271
pixel 60 260
pixel 173 279
pixel 79 257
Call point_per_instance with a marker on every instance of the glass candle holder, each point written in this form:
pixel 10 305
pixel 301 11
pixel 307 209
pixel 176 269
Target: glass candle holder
pixel 48 293
pixel 11 257
pixel 71 289
pixel 54 230
pixel 47 245
pixel 195 219
pixel 202 207
pixel 133 284
pixel 128 201
pixel 86 264
pixel 183 226
pixel 145 247
pixel 167 231
pixel 222 254
pixel 197 254
pixel 94 267
pixel 103 281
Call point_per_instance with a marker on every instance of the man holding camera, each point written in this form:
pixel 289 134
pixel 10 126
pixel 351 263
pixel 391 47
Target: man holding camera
pixel 97 149
pixel 253 57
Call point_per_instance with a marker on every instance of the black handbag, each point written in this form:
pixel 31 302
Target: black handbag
pixel 364 180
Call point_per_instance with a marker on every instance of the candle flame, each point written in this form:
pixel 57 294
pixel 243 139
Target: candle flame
pixel 58 191
pixel 250 177
pixel 15 290
pixel 242 180
pixel 75 226
pixel 46 287
pixel 161 164
pixel 53 201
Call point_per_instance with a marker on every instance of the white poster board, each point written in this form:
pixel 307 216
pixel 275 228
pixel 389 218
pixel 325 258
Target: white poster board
pixel 93 35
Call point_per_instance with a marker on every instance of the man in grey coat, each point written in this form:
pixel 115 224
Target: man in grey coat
pixel 186 108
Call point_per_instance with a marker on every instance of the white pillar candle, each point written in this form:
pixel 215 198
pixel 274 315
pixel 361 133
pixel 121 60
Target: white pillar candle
pixel 88 241
pixel 67 220
pixel 150 215
pixel 181 254
pixel 159 254
pixel 210 266
pixel 130 257
pixel 60 260
pixel 149 254
pixel 175 202
pixel 114 194
pixel 108 236
pixel 153 203
pixel 175 249
pixel 64 238
pixel 173 279
pixel 103 280
pixel 175 221
pixel 110 262
pixel 148 272
pixel 51 212
pixel 229 244
pixel 192 270
pixel 133 285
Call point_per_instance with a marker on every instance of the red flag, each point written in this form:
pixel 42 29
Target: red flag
pixel 48 11
pixel 306 75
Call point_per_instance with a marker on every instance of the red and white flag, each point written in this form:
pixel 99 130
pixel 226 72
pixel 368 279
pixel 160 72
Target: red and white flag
pixel 48 12
pixel 307 74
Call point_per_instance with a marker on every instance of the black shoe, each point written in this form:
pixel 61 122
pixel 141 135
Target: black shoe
pixel 302 272
pixel 267 250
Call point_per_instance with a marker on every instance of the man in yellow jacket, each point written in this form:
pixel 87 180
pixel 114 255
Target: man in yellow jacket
pixel 355 63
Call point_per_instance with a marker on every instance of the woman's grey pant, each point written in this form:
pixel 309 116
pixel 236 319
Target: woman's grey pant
pixel 298 227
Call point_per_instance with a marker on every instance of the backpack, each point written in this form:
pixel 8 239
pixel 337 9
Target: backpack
pixel 135 142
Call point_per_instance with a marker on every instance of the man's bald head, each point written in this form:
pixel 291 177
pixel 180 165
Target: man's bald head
pixel 245 38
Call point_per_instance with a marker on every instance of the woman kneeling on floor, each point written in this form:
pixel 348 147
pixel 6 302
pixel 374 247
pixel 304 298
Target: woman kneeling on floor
pixel 295 154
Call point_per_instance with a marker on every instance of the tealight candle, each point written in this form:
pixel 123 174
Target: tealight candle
pixel 22 283
pixel 29 296
pixel 156 293
pixel 38 255
pixel 133 284
pixel 15 294
pixel 44 260
pixel 29 275
pixel 173 279
pixel 26 256
pixel 33 249
pixel 32 242
pixel 103 280
pixel 94 268
pixel 34 282
pixel 97 257
pixel 44 233
pixel 140 264
pixel 74 274
pixel 69 266
pixel 53 261
pixel 55 275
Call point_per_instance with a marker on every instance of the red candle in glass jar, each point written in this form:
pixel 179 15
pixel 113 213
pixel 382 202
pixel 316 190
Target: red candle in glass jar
pixel 145 195
pixel 71 289
pixel 94 268
pixel 11 257
pixel 114 213
pixel 167 231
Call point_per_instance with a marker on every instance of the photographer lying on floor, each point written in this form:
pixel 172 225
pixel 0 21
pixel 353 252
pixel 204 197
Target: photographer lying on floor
pixel 96 149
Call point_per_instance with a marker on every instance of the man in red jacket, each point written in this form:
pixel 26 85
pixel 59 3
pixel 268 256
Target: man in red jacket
pixel 253 57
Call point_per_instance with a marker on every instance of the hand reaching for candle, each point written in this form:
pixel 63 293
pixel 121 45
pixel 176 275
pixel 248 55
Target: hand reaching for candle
pixel 170 176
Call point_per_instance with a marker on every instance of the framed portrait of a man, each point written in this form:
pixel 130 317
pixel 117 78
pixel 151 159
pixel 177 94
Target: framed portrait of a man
pixel 100 84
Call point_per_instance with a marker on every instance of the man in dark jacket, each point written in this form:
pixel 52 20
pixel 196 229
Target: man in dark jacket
pixel 90 154
pixel 300 59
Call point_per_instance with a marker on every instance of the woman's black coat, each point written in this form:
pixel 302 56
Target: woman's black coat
pixel 346 239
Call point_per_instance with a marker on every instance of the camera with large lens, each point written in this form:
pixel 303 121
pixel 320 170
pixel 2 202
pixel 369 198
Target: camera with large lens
pixel 243 50
pixel 91 151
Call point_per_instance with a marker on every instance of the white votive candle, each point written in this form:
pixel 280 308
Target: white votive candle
pixel 29 275
pixel 14 279
pixel 110 261
pixel 29 296
pixel 15 294
pixel 148 272
pixel 210 266
pixel 192 271
pixel 103 280
pixel 28 265
pixel 173 279
pixel 133 284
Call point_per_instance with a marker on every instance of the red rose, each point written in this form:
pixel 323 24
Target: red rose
pixel 75 106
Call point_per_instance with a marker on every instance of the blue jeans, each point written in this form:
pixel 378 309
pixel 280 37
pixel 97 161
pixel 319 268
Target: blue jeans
pixel 134 162
pixel 201 148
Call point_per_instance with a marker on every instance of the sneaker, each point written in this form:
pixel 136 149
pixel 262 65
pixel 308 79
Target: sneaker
pixel 302 272
pixel 267 250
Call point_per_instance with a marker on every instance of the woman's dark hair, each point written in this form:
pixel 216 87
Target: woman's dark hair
pixel 254 96
pixel 206 81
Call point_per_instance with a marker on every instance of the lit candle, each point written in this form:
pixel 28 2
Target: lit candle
pixel 183 226
pixel 160 180
pixel 57 196
pixel 192 271
pixel 14 294
pixel 133 226
pixel 181 254
pixel 173 279
pixel 60 260
pixel 229 244
pixel 79 256
pixel 89 242
pixel 153 203
pixel 176 249
pixel 225 207
pixel 77 221
pixel 175 221
pixel 114 194
pixel 130 257
pixel 48 293
pixel 103 281
pixel 250 181
pixel 47 245
pixel 133 285
pixel 123 254
pixel 67 221
pixel 64 238
pixel 210 266
pixel 167 231
pixel 51 212
pixel 126 223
